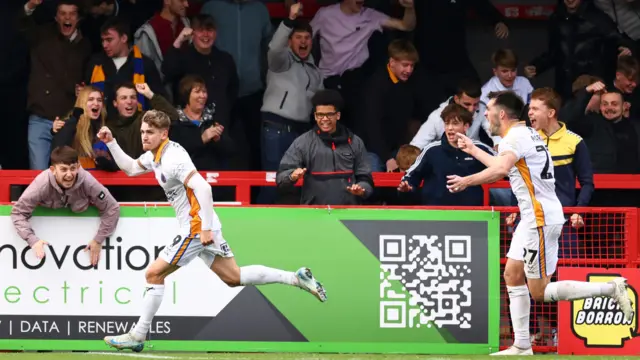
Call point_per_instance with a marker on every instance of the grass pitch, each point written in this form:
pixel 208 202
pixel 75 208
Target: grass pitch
pixel 244 356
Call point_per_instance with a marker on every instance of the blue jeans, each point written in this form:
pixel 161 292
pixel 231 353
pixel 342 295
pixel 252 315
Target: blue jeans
pixel 501 197
pixel 275 141
pixel 39 142
pixel 376 163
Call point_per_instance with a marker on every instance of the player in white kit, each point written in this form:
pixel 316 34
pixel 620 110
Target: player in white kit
pixel 523 156
pixel 200 229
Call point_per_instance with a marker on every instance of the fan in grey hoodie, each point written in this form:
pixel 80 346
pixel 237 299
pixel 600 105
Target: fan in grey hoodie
pixel 65 185
pixel 293 78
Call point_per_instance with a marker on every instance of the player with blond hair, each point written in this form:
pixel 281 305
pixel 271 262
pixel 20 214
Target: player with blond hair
pixel 533 253
pixel 200 229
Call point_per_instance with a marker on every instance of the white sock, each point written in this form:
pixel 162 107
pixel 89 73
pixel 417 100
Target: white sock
pixel 573 290
pixel 151 303
pixel 259 275
pixel 519 307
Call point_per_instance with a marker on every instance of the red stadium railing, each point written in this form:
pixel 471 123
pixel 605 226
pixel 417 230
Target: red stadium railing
pixel 610 237
pixel 243 181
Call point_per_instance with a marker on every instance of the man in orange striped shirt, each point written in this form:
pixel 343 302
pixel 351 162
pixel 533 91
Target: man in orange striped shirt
pixel 533 253
pixel 201 234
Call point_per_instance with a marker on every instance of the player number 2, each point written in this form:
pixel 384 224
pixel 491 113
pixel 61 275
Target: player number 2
pixel 545 174
pixel 530 255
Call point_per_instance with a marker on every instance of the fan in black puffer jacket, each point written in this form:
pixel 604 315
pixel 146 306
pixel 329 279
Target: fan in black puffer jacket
pixel 582 40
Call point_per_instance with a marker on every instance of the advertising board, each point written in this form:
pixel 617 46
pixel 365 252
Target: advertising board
pixel 401 281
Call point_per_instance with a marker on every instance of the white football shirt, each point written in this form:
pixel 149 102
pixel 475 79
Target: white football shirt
pixel 173 168
pixel 532 178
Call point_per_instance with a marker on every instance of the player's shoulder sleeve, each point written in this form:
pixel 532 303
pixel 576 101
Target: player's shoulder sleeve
pixel 512 142
pixel 145 161
pixel 176 163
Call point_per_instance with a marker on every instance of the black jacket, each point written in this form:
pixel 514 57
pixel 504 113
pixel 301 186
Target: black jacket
pixel 633 99
pixel 584 42
pixel 333 162
pixel 386 108
pixel 440 34
pixel 439 160
pixel 600 137
pixel 218 71
pixel 66 137
pixel 210 156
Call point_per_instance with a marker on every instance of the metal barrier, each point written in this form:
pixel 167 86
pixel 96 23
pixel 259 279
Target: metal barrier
pixel 610 237
pixel 243 181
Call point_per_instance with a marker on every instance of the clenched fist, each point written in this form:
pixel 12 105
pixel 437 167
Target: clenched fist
pixel 57 125
pixel 144 90
pixel 105 135
pixel 185 35
pixel 32 4
pixel 295 10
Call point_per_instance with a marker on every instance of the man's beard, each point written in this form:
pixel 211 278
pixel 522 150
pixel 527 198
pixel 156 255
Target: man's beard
pixel 495 129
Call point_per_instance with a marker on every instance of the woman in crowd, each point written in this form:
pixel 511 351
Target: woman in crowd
pixel 204 139
pixel 80 128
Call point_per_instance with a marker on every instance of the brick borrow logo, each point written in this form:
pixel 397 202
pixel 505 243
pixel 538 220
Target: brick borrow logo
pixel 599 322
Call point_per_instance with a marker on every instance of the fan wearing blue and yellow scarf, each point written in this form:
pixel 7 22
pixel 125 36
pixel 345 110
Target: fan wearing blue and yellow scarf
pixel 121 62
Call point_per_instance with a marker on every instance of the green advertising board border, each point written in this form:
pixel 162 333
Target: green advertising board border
pixel 489 217
pixel 267 347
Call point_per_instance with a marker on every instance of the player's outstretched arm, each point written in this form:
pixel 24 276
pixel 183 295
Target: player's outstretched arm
pixel 476 150
pixel 470 147
pixel 202 191
pixel 505 161
pixel 497 171
pixel 130 166
pixel 484 157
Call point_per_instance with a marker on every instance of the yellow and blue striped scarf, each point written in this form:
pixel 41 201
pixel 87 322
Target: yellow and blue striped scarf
pixel 98 77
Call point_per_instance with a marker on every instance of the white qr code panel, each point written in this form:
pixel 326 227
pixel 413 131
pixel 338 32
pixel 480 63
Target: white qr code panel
pixel 425 281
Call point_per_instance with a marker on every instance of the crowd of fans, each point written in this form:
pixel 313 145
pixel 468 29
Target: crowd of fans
pixel 314 100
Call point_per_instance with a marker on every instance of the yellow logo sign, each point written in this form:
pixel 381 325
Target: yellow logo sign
pixel 600 322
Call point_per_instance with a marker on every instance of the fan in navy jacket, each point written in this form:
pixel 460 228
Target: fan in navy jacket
pixel 443 158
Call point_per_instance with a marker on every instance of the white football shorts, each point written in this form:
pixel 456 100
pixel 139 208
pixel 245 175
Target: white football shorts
pixel 538 248
pixel 183 249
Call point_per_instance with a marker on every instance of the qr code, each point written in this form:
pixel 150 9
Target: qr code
pixel 422 281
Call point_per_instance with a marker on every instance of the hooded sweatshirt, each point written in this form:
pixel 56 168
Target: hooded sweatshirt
pixel 333 162
pixel 45 191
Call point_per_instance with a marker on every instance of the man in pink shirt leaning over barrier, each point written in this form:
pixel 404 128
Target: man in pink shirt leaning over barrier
pixel 65 184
